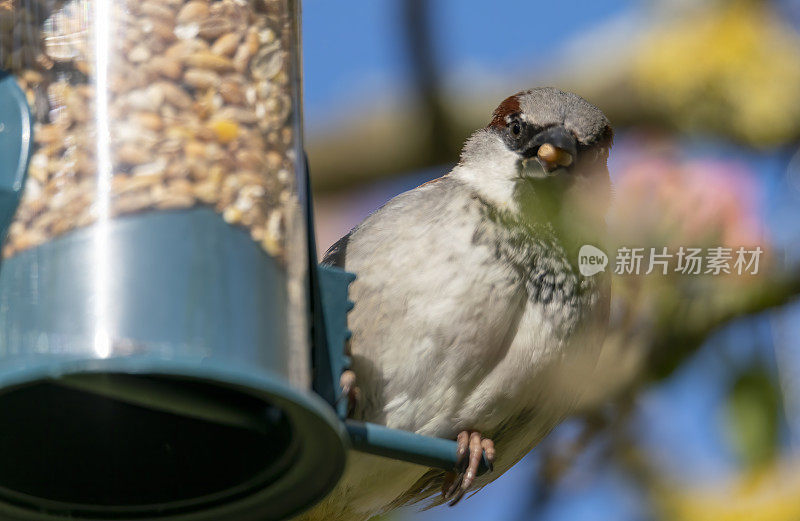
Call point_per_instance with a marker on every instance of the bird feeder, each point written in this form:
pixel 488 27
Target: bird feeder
pixel 169 348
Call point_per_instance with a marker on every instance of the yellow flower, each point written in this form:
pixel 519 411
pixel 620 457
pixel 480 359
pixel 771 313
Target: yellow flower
pixel 733 70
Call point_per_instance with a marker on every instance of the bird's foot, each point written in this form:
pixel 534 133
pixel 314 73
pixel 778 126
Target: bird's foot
pixel 471 448
pixel 349 390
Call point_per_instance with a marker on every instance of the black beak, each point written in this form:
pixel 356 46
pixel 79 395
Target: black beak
pixel 557 136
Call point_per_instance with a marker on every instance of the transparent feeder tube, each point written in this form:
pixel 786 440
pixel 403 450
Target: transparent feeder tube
pixel 156 107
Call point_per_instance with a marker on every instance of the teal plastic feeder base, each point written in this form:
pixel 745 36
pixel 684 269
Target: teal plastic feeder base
pixel 217 444
pixel 191 417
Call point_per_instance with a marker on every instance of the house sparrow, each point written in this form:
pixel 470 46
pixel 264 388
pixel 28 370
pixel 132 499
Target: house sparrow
pixel 471 320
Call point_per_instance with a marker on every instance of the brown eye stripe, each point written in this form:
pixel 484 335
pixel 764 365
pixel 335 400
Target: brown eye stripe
pixel 508 107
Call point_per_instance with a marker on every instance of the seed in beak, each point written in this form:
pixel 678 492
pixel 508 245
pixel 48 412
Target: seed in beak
pixel 554 155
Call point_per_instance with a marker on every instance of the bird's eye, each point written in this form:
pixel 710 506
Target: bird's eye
pixel 516 128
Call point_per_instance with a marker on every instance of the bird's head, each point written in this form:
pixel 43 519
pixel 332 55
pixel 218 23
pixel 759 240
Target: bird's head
pixel 544 141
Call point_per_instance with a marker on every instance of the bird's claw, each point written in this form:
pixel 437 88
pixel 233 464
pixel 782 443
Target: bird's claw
pixel 471 448
pixel 350 391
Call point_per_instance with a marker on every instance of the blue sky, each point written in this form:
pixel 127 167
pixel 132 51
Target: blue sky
pixel 353 48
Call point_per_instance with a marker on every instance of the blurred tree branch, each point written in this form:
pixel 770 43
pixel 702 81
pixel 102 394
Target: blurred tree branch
pixel 424 69
pixel 420 133
pixel 681 331
pixel 745 89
